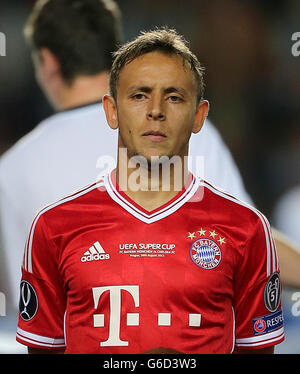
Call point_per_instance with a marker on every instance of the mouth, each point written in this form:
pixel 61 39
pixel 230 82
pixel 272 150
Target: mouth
pixel 155 136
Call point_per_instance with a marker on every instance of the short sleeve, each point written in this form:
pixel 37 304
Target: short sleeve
pixel 42 301
pixel 257 299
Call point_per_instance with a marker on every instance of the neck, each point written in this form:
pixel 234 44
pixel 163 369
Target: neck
pixel 151 185
pixel 83 90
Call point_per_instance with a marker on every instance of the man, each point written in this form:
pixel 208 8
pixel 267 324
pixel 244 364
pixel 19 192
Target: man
pixel 146 258
pixel 72 148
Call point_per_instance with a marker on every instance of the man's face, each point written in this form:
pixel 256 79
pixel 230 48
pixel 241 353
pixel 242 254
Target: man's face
pixel 156 106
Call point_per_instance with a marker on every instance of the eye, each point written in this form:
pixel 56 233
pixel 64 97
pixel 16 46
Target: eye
pixel 138 96
pixel 175 99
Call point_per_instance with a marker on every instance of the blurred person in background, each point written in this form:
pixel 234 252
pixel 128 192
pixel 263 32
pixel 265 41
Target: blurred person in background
pixel 71 43
pixel 287 214
pixel 60 154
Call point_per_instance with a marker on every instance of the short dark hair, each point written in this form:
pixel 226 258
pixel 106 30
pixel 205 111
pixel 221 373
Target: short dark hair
pixel 82 34
pixel 164 40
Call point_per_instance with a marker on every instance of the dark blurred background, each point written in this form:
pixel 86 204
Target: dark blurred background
pixel 252 79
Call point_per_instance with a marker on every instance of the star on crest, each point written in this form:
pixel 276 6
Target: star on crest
pixel 201 232
pixel 213 234
pixel 191 235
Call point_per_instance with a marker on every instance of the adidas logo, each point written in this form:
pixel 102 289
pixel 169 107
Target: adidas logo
pixel 94 253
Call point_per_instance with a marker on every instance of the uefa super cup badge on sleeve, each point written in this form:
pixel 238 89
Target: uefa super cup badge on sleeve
pixel 28 301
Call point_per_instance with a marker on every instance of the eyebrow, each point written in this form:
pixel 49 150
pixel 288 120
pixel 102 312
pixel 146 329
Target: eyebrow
pixel 148 89
pixel 179 90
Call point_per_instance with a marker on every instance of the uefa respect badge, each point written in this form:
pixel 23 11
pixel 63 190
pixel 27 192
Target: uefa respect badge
pixel 267 323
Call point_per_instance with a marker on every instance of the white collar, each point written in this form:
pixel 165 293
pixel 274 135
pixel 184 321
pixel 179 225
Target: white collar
pixel 159 213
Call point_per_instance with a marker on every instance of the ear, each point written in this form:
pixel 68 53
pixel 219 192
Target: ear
pixel 110 108
pixel 49 63
pixel 201 114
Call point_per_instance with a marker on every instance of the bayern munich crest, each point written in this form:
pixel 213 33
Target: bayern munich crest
pixel 206 251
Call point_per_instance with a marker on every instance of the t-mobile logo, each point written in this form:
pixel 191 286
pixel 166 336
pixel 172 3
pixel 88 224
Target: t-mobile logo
pixel 132 319
pixel 115 312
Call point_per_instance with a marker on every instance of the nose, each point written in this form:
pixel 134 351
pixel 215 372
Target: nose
pixel 156 111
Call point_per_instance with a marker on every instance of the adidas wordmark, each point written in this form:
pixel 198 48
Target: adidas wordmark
pixel 95 253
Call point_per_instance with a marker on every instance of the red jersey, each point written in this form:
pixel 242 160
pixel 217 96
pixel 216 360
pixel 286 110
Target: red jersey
pixel 103 275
